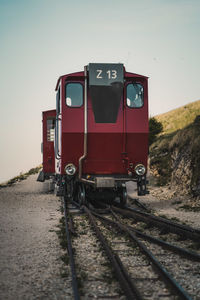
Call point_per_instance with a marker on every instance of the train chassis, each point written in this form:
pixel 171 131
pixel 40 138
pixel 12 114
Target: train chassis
pixel 100 189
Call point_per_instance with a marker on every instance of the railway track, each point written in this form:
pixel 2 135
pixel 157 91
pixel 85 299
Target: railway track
pixel 69 231
pixel 142 263
pixel 151 220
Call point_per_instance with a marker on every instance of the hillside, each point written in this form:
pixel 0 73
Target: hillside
pixel 175 155
pixel 179 118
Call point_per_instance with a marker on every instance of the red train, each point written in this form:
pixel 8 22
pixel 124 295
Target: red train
pixel 97 138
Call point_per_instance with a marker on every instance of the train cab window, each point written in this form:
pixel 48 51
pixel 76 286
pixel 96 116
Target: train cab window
pixel 74 94
pixel 134 95
pixel 50 129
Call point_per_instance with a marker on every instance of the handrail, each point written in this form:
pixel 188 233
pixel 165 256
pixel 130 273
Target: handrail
pixel 57 155
pixel 85 127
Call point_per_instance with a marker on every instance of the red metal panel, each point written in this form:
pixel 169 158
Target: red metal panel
pixel 104 154
pixel 137 148
pixel 48 146
pixel 72 148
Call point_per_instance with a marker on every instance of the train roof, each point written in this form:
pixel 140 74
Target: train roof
pixel 81 74
pixel 49 111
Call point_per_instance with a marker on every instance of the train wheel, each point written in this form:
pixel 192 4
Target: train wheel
pixel 81 194
pixel 123 197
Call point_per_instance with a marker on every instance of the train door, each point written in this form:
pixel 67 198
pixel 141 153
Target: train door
pixel 48 142
pixel 136 106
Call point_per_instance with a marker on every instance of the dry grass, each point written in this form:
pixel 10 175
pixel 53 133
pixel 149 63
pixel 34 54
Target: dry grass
pixel 179 118
pixel 21 177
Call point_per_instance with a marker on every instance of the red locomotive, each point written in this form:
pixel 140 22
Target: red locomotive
pixel 101 133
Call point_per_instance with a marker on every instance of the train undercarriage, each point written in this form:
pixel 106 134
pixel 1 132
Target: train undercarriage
pixel 109 188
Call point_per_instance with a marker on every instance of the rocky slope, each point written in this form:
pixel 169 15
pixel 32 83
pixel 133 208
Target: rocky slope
pixel 175 156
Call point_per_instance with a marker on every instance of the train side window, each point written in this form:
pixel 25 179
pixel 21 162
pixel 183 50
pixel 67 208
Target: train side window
pixel 134 95
pixel 50 130
pixel 74 94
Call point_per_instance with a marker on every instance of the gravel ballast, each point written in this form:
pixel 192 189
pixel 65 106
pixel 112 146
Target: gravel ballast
pixel 30 254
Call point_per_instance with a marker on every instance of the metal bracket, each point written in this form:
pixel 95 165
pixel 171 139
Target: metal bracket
pixel 105 182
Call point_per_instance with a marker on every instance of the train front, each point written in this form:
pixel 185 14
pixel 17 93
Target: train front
pixel 104 132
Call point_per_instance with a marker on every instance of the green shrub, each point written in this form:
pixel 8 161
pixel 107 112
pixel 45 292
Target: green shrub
pixel 155 127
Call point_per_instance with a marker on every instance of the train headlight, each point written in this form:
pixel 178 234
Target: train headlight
pixel 70 169
pixel 140 169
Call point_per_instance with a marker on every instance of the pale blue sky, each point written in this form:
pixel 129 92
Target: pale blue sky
pixel 42 39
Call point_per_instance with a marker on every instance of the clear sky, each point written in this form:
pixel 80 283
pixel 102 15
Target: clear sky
pixel 43 39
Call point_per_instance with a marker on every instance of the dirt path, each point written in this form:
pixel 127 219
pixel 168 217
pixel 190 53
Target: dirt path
pixel 30 264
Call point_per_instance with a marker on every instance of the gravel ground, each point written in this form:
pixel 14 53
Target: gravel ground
pixel 30 254
pixel 30 264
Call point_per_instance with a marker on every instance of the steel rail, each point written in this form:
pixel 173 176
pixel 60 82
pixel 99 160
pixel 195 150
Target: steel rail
pixel 181 226
pixel 125 281
pixel 139 204
pixel 169 280
pixel 71 257
pixel 183 230
pixel 191 255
